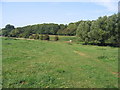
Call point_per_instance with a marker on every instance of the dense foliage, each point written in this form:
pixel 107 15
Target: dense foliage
pixel 103 30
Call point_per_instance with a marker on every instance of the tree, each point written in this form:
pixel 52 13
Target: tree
pixel 6 31
pixel 96 34
pixel 15 33
pixel 112 27
pixel 83 30
pixel 61 29
pixel 9 27
pixel 103 30
pixel 71 29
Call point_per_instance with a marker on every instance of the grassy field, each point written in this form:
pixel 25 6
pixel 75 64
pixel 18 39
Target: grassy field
pixel 49 64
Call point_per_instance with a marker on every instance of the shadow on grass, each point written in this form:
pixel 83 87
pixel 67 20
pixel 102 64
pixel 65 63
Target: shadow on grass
pixel 105 44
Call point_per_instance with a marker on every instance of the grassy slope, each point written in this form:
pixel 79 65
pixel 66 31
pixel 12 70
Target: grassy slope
pixel 28 63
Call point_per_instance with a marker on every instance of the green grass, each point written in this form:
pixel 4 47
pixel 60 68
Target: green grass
pixel 48 64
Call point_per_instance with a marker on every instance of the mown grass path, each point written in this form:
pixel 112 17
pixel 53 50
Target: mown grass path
pixel 35 64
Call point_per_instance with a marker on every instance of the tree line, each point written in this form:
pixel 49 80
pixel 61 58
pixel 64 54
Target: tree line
pixel 51 29
pixel 103 30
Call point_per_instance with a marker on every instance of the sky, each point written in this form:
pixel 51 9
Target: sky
pixel 29 12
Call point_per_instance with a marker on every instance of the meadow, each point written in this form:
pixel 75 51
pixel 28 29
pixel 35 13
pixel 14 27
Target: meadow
pixel 57 64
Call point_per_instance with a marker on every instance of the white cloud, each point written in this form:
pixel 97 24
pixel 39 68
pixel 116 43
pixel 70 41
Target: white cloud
pixel 110 5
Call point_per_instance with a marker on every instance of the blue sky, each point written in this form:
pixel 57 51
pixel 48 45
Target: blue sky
pixel 28 13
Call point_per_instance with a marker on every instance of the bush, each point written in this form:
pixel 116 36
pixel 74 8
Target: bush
pixel 46 37
pixel 36 36
pixel 30 37
pixel 56 38
pixel 41 37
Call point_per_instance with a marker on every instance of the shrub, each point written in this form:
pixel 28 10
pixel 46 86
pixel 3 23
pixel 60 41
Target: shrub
pixel 56 38
pixel 102 57
pixel 36 36
pixel 46 37
pixel 30 37
pixel 41 37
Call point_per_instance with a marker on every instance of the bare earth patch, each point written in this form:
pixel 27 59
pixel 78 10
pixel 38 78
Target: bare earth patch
pixel 67 42
pixel 116 73
pixel 24 39
pixel 80 53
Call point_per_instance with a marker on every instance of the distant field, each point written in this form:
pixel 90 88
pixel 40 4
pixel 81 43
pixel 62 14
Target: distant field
pixel 63 38
pixel 48 64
